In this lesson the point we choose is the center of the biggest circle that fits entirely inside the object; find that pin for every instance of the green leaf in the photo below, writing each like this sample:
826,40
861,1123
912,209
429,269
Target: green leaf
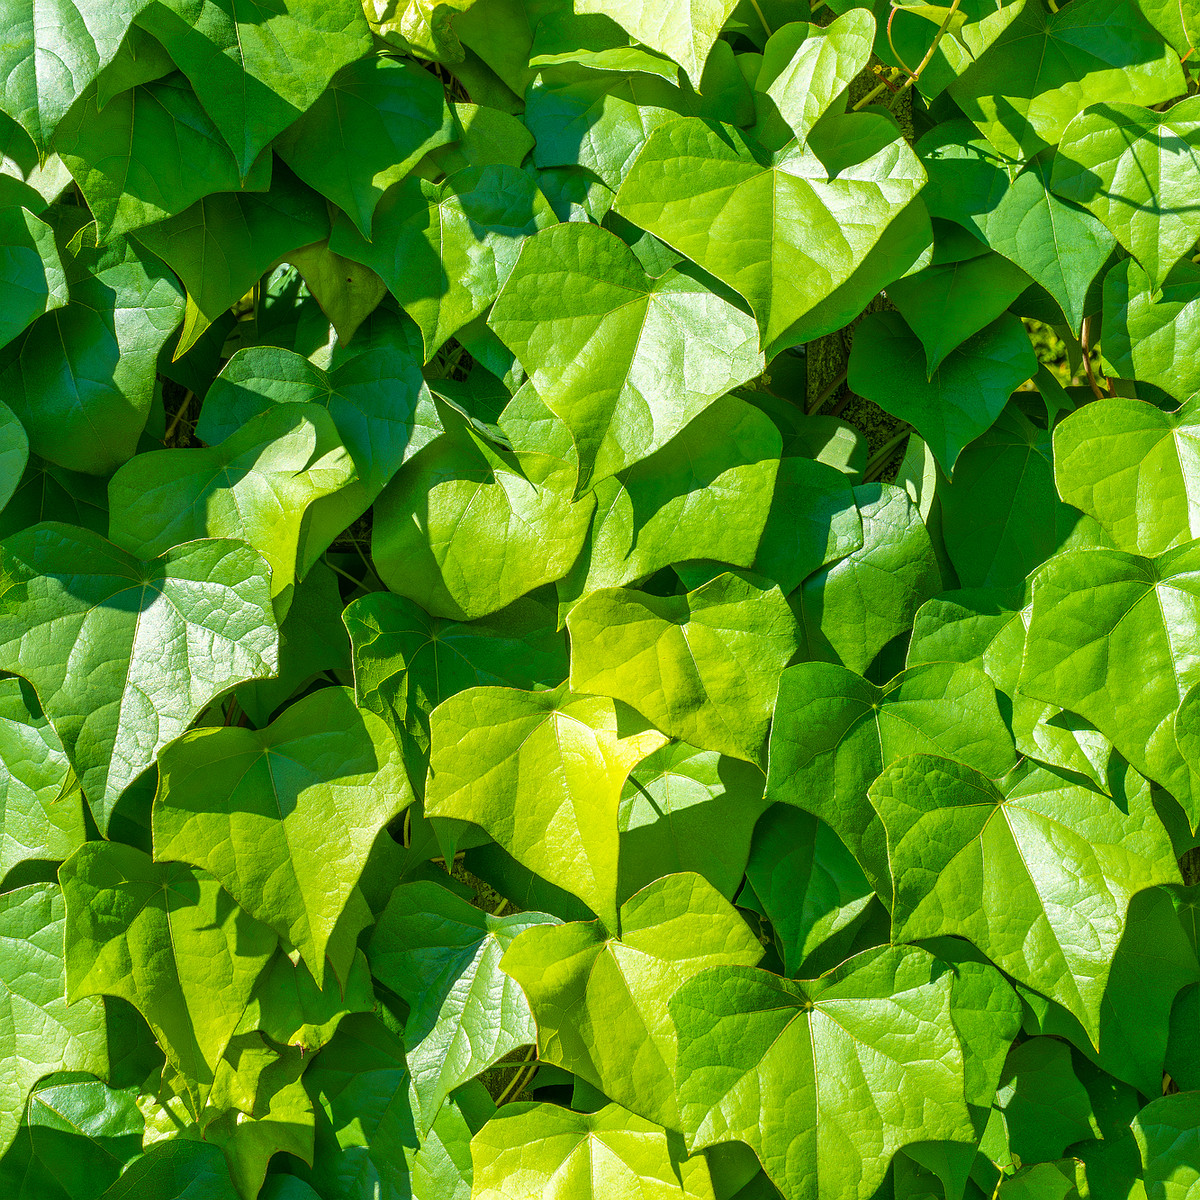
39,1033
466,528
81,378
531,1151
441,956
426,26
176,1170
41,816
684,809
14,454
707,494
834,733
956,402
1177,23
825,1080
444,250
49,58
699,187
377,119
1045,1106
596,335
222,244
1154,335
851,609
257,67
945,305
309,793
148,154
125,654
542,773
1036,839
257,485
407,662
347,291
488,137
593,40
49,493
590,992
700,667
1101,643
32,272
683,30
1048,66
1133,169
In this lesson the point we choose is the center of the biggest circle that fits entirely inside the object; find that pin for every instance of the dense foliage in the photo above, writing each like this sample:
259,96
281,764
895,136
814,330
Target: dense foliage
476,721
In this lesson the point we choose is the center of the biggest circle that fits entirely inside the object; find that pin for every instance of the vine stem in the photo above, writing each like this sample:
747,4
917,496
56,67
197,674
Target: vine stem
913,76
879,459
829,389
1085,338
519,1080
187,399
759,12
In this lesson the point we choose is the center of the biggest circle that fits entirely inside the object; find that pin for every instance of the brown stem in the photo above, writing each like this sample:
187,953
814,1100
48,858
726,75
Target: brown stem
1085,337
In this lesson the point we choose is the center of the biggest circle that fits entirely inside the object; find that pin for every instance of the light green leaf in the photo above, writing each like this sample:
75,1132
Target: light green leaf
1135,469
1102,642
425,26
565,36
39,1033
1176,22
309,793
444,250
407,662
601,1003
488,137
625,361
168,939
952,405
441,956
851,609
683,30
685,809
825,1080
701,667
81,378
256,486
377,119
257,67
148,154
542,773
834,733
441,1167
31,272
957,842
1048,66
125,654
347,291
466,528
543,1152
41,817
50,56
1135,170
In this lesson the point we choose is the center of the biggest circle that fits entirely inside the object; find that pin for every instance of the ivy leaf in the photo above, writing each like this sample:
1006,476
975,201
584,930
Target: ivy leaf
542,773
834,733
125,654
40,1034
1047,66
49,58
147,154
309,793
588,990
684,809
529,1151
594,332
699,186
1031,838
377,119
786,1067
257,486
445,250
700,667
952,405
1154,335
466,528
1133,169
407,662
32,273
223,244
256,67
441,956
81,378
122,910
1101,643
41,816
